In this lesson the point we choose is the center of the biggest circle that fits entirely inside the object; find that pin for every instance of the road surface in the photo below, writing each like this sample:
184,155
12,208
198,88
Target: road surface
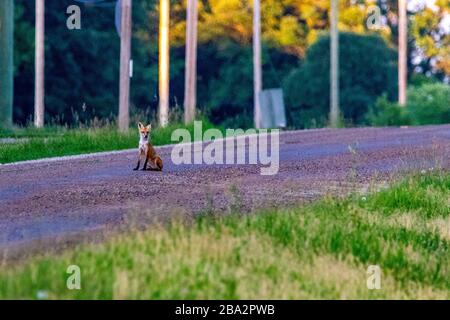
49,202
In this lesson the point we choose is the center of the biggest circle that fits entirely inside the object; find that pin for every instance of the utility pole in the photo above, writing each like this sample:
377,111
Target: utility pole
257,69
334,70
125,57
6,62
164,20
190,86
39,87
402,51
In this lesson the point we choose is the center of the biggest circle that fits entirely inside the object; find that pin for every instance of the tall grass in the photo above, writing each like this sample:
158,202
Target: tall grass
320,250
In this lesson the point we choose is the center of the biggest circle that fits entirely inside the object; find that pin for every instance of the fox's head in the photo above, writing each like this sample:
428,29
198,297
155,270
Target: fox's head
144,131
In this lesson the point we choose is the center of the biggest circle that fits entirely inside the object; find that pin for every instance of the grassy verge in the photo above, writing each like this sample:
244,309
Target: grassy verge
58,141
320,250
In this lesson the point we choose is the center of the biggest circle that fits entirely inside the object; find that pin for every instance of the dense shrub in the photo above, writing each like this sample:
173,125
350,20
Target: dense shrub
417,80
367,70
429,104
387,113
225,85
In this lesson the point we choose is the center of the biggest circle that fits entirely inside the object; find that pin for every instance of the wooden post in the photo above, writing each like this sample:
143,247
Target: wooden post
190,86
257,69
402,52
39,86
6,62
164,60
125,57
334,70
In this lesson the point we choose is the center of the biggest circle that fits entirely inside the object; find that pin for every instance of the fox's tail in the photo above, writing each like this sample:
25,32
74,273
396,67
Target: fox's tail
159,163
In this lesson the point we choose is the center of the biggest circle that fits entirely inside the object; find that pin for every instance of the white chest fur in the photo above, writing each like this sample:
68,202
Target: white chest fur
143,145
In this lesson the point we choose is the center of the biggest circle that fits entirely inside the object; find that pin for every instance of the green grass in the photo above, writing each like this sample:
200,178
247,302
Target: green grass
321,250
32,132
60,141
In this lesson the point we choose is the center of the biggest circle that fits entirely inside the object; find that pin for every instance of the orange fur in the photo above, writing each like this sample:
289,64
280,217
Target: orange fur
152,157
146,150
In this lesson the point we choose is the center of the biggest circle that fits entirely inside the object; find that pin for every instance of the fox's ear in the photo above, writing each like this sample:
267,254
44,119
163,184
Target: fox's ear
149,127
140,126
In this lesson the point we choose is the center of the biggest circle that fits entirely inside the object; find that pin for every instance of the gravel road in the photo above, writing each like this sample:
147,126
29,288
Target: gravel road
84,197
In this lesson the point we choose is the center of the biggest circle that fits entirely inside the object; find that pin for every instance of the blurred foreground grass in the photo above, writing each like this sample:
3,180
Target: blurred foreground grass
56,141
321,250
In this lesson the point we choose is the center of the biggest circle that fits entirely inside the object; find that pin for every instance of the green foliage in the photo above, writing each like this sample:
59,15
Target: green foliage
31,131
82,68
417,80
387,113
57,141
367,70
228,90
318,251
67,143
421,195
82,65
6,62
428,34
23,61
429,104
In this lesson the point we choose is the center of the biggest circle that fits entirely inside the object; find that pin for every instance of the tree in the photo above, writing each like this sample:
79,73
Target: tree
429,104
432,39
288,25
427,38
82,70
367,70
6,62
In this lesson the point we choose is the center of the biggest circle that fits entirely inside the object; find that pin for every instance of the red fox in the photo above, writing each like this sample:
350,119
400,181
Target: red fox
146,150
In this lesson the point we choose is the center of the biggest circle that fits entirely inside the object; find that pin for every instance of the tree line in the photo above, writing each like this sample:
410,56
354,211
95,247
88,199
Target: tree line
82,65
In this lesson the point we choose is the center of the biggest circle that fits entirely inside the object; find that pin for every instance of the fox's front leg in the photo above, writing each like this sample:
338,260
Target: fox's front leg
145,164
138,163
